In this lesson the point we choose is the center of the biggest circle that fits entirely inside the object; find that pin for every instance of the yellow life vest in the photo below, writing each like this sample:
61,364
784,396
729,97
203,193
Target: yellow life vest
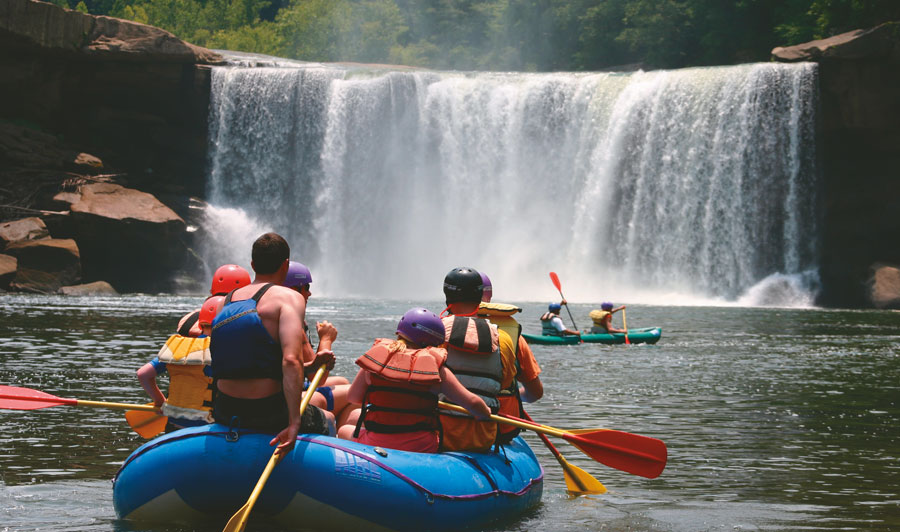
190,390
501,315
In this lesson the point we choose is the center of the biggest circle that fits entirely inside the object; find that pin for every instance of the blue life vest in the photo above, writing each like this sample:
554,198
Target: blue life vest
547,328
240,346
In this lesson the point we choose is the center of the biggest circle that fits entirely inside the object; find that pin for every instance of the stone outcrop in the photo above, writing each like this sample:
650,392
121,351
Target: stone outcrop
884,286
132,95
127,237
8,266
859,101
24,229
97,288
44,266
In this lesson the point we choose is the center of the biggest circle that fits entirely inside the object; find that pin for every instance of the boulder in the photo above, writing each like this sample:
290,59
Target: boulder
884,286
97,288
8,265
127,237
24,229
45,265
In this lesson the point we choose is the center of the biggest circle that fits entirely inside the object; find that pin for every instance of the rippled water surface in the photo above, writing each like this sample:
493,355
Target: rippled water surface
775,419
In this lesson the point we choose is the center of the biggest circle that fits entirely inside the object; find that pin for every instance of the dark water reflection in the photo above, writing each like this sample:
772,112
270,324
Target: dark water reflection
774,419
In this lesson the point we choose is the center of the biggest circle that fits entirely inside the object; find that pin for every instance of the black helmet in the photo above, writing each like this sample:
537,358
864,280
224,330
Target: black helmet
463,285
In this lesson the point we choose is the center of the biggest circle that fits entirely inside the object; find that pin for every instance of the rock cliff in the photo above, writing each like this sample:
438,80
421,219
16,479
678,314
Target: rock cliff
859,99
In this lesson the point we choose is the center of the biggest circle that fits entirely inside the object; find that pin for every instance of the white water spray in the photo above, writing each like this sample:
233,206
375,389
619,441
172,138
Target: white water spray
632,187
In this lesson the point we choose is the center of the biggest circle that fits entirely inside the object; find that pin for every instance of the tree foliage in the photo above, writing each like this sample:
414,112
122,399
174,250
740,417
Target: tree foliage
531,35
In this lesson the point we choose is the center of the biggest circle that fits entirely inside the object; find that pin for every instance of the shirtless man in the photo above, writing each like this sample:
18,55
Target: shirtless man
260,352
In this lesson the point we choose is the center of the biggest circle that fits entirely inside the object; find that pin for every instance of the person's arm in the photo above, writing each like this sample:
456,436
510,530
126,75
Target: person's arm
456,392
532,390
147,377
357,392
327,334
294,346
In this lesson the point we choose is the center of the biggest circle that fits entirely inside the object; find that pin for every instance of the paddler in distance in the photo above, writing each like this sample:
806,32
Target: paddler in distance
602,319
552,324
260,353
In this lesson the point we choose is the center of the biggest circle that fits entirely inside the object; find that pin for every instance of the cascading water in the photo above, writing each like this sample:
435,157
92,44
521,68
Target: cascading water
694,183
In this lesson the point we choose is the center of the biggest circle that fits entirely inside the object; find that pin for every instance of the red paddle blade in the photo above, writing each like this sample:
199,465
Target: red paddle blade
632,453
16,398
555,279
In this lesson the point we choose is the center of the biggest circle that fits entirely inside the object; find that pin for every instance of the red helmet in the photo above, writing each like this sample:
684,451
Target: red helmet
227,278
208,310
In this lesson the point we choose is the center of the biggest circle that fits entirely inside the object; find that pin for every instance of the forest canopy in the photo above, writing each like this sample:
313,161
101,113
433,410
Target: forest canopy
525,35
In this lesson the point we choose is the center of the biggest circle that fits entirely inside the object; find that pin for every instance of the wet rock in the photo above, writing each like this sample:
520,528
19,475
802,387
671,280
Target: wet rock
884,286
24,229
127,237
879,41
8,266
44,266
97,288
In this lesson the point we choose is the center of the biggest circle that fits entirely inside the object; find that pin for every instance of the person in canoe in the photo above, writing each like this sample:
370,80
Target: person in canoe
527,369
602,319
332,394
482,357
185,357
260,353
552,324
398,385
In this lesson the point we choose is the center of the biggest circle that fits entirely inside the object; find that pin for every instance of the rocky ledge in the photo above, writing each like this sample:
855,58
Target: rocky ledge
859,148
102,145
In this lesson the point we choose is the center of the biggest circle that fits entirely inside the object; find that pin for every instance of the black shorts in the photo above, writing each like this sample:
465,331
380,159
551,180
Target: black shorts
269,414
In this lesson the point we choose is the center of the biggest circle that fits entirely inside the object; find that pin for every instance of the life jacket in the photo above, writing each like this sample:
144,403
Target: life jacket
547,328
241,346
597,316
398,398
473,355
190,390
501,315
191,325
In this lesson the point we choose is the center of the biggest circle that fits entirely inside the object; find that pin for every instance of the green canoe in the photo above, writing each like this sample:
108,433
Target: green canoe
649,335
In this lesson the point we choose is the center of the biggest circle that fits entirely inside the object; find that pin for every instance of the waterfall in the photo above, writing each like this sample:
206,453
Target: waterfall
684,185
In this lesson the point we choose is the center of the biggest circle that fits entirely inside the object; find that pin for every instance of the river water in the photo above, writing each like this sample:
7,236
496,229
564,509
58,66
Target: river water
775,419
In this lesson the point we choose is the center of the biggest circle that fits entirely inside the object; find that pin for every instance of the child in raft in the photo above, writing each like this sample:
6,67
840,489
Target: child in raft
398,384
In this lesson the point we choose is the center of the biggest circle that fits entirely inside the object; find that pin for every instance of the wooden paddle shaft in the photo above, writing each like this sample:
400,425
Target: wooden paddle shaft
521,424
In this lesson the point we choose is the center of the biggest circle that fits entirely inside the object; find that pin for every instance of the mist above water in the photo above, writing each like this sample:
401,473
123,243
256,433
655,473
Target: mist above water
685,186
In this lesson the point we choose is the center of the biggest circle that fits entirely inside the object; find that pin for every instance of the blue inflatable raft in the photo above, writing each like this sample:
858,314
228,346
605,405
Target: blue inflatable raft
202,474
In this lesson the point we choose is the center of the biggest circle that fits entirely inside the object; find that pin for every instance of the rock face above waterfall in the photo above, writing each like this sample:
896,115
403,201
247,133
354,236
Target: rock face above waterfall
859,76
88,101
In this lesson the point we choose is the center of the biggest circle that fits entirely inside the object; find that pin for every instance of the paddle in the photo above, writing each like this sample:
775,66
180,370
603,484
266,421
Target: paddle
239,520
17,398
638,455
578,481
625,326
146,424
555,279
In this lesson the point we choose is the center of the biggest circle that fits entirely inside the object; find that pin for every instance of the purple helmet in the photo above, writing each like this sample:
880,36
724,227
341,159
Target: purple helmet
422,327
297,275
488,290
606,306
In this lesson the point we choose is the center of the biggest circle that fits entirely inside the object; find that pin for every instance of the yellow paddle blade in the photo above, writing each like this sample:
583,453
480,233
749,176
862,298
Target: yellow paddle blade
146,424
579,481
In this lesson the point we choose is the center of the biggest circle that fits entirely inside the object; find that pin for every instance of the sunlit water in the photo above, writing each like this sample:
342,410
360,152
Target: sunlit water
775,419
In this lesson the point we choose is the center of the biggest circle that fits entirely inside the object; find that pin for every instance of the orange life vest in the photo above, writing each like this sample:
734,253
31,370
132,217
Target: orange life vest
399,397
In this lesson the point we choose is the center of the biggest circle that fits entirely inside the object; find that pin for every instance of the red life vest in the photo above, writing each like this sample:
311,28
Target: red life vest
398,398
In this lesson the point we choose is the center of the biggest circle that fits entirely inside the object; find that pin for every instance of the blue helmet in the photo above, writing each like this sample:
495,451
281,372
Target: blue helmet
606,305
554,307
